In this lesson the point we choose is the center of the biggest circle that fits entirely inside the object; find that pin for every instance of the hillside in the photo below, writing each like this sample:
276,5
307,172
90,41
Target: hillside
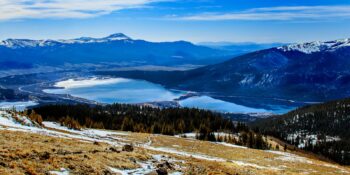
318,69
116,49
30,148
319,128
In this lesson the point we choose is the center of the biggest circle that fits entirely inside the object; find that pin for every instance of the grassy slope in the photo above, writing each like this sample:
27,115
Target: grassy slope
25,153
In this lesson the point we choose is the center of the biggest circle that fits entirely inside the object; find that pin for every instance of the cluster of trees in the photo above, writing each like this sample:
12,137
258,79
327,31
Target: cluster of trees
138,118
328,119
170,121
70,123
244,137
35,117
335,150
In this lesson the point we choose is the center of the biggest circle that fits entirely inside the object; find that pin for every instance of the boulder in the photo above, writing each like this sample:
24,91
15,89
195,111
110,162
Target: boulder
128,148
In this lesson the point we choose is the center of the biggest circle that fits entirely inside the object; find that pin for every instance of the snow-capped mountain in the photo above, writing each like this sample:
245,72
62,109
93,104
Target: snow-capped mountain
317,46
21,43
113,37
116,48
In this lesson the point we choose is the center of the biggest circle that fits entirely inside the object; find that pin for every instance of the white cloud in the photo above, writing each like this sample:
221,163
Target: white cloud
20,9
277,13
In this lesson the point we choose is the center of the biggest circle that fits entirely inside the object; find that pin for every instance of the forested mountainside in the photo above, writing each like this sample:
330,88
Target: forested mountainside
321,128
320,70
170,121
114,49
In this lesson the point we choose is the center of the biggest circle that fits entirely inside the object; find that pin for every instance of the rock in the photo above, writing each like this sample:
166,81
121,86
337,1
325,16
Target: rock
95,151
107,172
165,165
162,171
132,159
44,156
128,148
72,167
113,149
3,164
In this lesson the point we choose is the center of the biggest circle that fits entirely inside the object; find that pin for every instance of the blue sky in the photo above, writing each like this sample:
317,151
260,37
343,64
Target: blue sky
169,20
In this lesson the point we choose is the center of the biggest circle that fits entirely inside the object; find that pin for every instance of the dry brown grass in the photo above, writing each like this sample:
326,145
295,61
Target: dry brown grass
22,153
252,156
26,153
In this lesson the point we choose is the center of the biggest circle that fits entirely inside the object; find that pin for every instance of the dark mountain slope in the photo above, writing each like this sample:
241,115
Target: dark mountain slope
321,128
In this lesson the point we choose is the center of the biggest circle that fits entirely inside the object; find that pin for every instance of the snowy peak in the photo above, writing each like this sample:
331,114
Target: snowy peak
20,43
113,37
317,46
117,36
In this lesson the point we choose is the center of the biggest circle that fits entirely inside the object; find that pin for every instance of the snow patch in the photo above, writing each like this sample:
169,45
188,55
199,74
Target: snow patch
241,163
71,83
284,156
186,154
61,172
231,145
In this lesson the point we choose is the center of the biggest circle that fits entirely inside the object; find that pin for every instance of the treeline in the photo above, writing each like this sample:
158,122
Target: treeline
244,137
139,118
328,120
170,121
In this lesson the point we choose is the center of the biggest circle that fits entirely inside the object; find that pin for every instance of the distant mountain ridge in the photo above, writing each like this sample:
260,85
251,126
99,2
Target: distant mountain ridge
21,43
311,72
116,48
240,48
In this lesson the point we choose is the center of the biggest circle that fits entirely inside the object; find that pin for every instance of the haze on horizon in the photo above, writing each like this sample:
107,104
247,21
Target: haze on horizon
170,20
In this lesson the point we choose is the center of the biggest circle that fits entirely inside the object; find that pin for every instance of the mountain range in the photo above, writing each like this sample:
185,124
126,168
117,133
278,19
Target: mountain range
312,72
116,48
239,48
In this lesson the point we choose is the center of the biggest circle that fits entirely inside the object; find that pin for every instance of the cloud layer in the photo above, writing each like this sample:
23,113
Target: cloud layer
20,9
277,13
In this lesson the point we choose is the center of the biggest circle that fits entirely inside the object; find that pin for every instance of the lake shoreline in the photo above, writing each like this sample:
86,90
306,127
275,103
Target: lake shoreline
172,98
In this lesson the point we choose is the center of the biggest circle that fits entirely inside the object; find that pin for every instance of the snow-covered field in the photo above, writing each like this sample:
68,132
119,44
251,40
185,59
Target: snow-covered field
19,106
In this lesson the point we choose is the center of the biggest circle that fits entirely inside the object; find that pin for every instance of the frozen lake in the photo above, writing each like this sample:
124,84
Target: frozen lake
115,90
129,91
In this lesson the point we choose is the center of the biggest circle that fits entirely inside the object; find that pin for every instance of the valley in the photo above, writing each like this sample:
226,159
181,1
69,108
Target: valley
174,87
95,89
240,115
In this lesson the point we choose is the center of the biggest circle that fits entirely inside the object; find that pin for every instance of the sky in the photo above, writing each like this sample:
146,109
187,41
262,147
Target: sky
261,21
